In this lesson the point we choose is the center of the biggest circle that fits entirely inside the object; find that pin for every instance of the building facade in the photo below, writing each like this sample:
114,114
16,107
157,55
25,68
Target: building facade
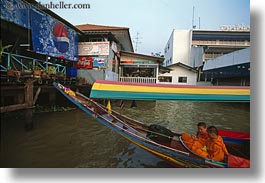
98,51
179,74
139,68
194,48
36,39
230,69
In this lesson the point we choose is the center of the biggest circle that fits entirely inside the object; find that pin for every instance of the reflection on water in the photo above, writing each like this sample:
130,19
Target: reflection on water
73,139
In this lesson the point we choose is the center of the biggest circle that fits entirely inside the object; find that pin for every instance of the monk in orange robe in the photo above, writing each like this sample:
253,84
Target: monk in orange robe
216,148
198,142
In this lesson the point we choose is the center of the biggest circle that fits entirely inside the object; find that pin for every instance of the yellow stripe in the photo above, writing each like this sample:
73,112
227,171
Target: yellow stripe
129,88
168,158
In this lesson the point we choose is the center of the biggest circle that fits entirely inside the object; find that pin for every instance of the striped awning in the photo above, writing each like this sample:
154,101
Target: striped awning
144,91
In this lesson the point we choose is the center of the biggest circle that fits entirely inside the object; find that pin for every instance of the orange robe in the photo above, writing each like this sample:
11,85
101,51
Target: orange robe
187,139
216,149
196,145
200,142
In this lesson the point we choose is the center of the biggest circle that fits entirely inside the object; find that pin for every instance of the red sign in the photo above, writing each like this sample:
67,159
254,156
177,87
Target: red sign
127,62
85,63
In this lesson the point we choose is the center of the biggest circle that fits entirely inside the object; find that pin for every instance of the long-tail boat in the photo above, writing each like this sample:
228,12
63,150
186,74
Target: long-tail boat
156,139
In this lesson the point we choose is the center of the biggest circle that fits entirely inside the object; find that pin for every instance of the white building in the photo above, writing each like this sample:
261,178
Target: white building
179,58
192,48
179,74
178,48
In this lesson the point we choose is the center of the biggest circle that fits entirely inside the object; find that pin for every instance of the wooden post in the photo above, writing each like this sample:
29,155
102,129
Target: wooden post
133,104
36,95
19,99
29,102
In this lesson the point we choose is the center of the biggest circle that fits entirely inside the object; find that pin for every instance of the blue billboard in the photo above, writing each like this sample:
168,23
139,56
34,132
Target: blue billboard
51,37
15,11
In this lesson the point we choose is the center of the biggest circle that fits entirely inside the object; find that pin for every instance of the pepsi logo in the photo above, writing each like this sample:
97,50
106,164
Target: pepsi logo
61,38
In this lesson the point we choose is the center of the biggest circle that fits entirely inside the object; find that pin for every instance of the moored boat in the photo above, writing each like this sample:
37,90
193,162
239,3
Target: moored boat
155,139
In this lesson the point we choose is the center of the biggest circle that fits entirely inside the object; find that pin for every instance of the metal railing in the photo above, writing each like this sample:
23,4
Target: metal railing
24,61
138,79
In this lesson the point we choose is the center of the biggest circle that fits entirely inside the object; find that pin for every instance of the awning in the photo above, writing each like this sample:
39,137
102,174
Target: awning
144,91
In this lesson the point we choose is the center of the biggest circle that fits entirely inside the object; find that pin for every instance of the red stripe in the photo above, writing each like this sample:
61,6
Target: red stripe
170,85
232,134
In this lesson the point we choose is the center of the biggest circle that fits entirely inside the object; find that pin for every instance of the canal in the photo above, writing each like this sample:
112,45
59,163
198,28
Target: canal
73,139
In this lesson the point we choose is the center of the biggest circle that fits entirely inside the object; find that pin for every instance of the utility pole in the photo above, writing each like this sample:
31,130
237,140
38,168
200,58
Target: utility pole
199,22
193,26
137,41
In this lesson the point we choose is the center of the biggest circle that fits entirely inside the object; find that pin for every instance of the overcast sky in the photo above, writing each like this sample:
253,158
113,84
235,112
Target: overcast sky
156,19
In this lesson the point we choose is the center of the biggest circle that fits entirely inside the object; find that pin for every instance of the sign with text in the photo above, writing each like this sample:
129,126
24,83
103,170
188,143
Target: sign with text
93,48
85,63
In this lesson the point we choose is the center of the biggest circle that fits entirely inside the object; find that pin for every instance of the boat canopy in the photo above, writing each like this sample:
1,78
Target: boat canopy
146,91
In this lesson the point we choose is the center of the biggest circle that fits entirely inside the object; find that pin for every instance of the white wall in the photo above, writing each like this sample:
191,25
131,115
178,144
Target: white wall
111,76
91,75
181,72
178,47
168,50
182,46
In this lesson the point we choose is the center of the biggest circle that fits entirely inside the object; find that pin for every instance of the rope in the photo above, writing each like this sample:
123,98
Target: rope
157,133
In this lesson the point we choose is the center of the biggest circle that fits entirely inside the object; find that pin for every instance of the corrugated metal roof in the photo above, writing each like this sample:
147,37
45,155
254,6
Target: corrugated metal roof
125,53
183,66
93,27
234,58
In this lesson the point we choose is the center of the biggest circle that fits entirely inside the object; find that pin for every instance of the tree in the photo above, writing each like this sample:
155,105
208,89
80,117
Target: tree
157,54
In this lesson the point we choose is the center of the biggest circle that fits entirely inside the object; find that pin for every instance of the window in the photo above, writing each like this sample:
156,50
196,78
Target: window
182,80
167,79
96,40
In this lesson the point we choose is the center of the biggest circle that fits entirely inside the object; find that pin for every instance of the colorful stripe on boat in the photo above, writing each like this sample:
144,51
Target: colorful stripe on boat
143,91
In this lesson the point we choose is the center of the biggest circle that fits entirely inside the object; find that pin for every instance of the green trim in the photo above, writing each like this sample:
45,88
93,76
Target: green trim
166,96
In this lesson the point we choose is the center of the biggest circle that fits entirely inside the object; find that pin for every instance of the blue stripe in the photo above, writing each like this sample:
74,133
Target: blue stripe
234,140
209,36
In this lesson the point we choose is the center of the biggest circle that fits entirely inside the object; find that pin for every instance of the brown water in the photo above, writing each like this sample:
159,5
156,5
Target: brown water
73,139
